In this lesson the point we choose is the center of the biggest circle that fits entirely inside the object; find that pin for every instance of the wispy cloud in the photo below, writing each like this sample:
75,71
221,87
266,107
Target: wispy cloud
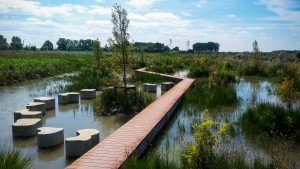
284,9
142,3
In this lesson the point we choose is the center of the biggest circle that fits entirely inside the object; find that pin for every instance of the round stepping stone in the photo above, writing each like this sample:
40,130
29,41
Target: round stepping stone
71,97
167,85
50,136
49,101
83,142
26,114
88,93
36,106
26,127
149,87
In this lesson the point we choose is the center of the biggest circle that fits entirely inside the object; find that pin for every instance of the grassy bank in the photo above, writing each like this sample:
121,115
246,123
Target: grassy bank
17,67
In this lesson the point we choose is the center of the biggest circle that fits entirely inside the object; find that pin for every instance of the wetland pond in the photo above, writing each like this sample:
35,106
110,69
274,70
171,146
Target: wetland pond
250,92
72,117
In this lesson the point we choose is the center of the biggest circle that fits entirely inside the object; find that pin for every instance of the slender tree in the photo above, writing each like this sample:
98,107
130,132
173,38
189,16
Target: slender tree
121,42
97,52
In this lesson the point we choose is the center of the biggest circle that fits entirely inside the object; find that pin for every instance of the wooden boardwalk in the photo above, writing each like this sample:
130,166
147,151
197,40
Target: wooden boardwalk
136,134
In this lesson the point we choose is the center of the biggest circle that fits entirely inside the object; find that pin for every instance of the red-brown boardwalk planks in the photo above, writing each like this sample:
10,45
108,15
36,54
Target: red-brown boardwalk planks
115,149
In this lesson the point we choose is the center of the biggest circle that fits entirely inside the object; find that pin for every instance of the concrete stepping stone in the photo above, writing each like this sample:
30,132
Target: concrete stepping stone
36,106
165,86
49,136
149,87
88,93
83,142
26,114
71,97
26,127
49,101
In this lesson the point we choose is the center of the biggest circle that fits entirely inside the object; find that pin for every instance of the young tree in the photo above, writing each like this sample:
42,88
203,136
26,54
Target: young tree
287,92
3,43
47,45
97,52
16,43
121,42
255,47
62,44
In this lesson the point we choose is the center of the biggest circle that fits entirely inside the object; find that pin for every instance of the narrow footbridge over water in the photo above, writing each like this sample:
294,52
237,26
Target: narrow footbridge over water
134,136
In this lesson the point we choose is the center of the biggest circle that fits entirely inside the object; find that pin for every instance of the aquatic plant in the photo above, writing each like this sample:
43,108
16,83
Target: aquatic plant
111,101
14,159
273,120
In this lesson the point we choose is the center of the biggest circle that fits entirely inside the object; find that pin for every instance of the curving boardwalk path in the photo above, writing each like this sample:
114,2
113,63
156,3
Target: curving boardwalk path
136,134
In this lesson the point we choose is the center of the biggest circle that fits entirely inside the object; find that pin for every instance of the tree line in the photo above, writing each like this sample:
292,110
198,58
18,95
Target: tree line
64,44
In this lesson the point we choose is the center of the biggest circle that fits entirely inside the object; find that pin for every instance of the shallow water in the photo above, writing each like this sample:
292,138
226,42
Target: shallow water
250,91
70,117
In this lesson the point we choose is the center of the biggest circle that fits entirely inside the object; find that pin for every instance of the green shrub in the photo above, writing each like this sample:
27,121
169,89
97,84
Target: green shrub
204,95
112,100
274,120
13,159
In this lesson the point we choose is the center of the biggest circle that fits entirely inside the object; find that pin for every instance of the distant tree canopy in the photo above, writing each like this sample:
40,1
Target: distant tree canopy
74,45
47,45
16,43
150,47
206,47
3,43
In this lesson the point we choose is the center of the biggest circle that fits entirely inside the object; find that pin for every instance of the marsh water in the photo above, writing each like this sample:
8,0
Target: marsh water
72,117
250,92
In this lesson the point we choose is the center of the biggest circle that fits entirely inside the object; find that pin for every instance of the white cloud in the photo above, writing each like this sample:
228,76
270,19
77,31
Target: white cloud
231,16
284,9
201,3
142,3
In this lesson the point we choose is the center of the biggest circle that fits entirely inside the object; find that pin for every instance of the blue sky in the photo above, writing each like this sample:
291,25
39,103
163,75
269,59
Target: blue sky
235,24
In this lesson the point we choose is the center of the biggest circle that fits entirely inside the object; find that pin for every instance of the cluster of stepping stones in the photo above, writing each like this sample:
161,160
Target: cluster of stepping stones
28,122
149,87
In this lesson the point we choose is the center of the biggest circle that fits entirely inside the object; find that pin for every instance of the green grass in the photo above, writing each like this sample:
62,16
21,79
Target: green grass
272,120
21,66
112,101
13,159
207,97
150,162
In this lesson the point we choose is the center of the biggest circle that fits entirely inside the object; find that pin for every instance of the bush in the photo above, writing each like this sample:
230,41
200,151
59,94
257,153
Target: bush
205,95
12,159
273,120
112,101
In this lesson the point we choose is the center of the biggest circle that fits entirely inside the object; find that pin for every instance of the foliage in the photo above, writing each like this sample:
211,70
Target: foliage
205,95
97,52
161,68
93,77
74,45
148,78
201,153
18,66
287,92
112,101
3,43
16,43
201,69
13,159
274,120
47,45
150,47
206,47
150,162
